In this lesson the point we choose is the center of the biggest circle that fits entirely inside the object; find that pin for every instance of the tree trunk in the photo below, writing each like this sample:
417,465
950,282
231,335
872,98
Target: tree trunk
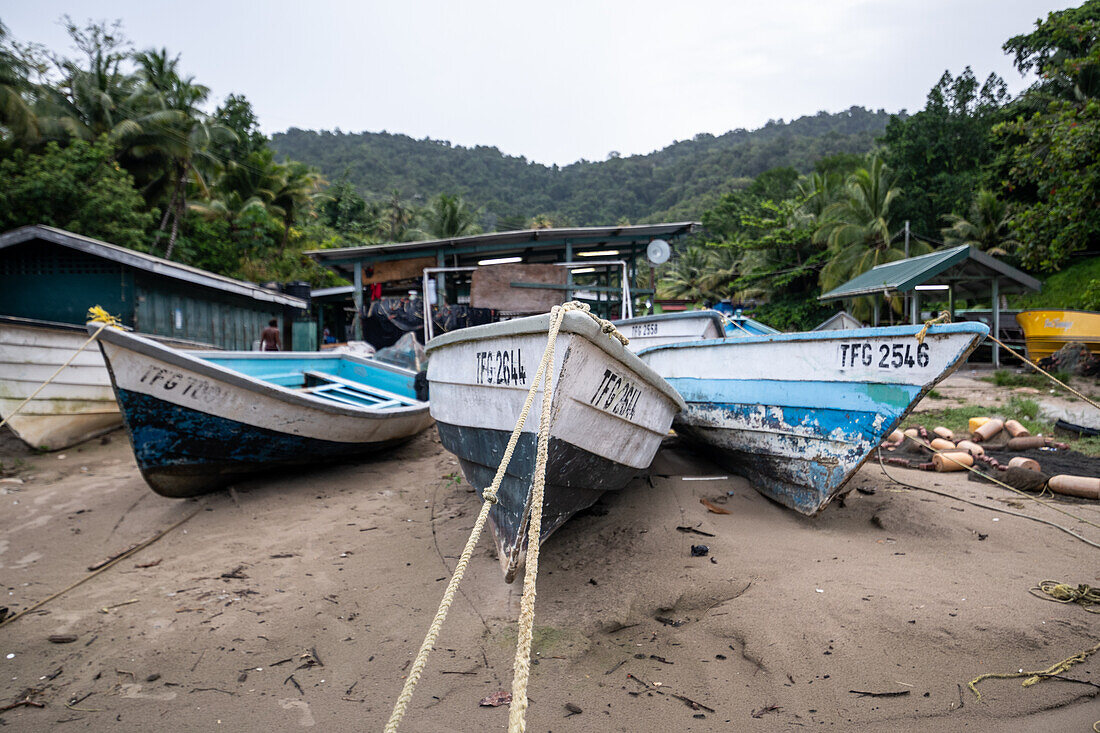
178,201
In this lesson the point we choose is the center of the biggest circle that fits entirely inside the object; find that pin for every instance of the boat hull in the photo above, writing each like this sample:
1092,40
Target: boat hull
1046,331
609,415
798,414
670,328
196,426
75,406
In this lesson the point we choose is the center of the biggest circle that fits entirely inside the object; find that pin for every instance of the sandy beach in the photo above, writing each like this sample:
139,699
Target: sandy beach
299,600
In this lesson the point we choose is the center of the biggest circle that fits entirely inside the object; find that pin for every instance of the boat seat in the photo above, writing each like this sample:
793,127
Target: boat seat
357,393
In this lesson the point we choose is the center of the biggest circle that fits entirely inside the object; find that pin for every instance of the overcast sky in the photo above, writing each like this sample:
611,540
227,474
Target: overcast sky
560,80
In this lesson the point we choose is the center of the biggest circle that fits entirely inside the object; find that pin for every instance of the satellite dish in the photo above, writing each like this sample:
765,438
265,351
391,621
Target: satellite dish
658,251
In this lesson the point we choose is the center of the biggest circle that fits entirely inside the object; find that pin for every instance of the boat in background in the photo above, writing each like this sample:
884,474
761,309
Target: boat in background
74,407
77,405
670,328
798,414
200,420
1046,331
610,413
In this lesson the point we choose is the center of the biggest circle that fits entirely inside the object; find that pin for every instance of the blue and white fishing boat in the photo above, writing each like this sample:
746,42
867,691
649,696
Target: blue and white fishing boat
671,328
798,414
609,414
200,420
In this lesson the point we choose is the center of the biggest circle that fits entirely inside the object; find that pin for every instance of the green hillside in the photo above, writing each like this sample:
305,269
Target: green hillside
677,182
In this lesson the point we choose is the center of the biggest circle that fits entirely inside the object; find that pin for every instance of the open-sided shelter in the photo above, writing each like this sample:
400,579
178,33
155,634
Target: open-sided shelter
959,272
398,262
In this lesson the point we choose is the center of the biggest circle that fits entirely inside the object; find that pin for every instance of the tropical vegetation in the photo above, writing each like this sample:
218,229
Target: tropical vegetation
114,142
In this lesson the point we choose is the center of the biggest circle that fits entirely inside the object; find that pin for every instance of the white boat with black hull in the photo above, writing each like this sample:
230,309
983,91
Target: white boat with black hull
609,414
798,414
199,420
77,405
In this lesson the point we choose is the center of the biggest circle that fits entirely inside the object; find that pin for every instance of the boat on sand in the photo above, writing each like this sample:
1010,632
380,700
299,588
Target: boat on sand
609,414
200,420
798,414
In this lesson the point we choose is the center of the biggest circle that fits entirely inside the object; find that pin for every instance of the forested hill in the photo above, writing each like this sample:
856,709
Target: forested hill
677,182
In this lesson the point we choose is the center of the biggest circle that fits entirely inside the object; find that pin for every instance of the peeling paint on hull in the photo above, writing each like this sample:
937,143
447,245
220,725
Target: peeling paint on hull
196,425
798,414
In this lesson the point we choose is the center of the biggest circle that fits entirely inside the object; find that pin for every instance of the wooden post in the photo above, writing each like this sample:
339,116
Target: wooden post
569,258
357,298
996,321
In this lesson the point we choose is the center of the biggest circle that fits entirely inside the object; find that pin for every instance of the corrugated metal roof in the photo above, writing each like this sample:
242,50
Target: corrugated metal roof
553,236
147,263
905,275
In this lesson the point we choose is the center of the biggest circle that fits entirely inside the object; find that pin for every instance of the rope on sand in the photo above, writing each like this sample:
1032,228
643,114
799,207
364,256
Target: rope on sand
522,667
1042,371
95,315
1083,594
1036,676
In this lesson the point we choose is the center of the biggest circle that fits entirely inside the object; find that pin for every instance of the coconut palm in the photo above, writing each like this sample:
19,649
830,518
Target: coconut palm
686,277
986,225
856,229
18,123
297,187
450,216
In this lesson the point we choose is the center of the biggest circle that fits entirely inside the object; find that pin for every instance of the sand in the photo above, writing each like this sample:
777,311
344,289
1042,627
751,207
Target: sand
298,601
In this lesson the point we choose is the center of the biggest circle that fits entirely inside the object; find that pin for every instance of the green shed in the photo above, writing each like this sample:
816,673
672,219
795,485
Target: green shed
53,275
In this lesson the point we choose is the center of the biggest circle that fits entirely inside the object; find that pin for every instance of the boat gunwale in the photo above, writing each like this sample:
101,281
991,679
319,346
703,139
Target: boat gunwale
578,324
718,319
978,329
186,360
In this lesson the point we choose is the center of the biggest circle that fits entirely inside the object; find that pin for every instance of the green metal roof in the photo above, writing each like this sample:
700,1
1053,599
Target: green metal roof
966,268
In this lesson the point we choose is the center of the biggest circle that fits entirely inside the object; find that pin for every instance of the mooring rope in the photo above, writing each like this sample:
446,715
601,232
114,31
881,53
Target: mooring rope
522,668
1042,371
96,315
1036,676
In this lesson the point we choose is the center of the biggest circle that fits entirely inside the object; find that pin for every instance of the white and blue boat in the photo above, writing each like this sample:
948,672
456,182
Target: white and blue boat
200,420
671,328
798,414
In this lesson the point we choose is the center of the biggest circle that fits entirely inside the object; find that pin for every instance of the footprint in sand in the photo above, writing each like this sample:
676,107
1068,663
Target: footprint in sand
306,718
27,560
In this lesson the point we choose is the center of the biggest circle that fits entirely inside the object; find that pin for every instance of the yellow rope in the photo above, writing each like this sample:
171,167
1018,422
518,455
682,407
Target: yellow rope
943,317
1042,371
489,496
96,315
1083,594
1036,676
521,669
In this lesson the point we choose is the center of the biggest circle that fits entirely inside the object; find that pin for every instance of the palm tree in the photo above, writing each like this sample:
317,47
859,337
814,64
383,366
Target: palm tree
686,277
18,123
172,137
297,188
450,216
987,227
723,267
857,230
399,218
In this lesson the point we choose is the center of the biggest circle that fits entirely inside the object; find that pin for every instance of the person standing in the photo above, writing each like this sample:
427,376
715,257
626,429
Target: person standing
269,339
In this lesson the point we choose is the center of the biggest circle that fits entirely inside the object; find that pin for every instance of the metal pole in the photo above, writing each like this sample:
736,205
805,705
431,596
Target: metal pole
357,298
914,308
874,312
996,321
569,258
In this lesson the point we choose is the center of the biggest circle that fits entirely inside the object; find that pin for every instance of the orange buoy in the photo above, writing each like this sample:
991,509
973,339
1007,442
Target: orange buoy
988,429
972,448
941,444
956,461
1016,430
1021,462
944,433
1083,486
